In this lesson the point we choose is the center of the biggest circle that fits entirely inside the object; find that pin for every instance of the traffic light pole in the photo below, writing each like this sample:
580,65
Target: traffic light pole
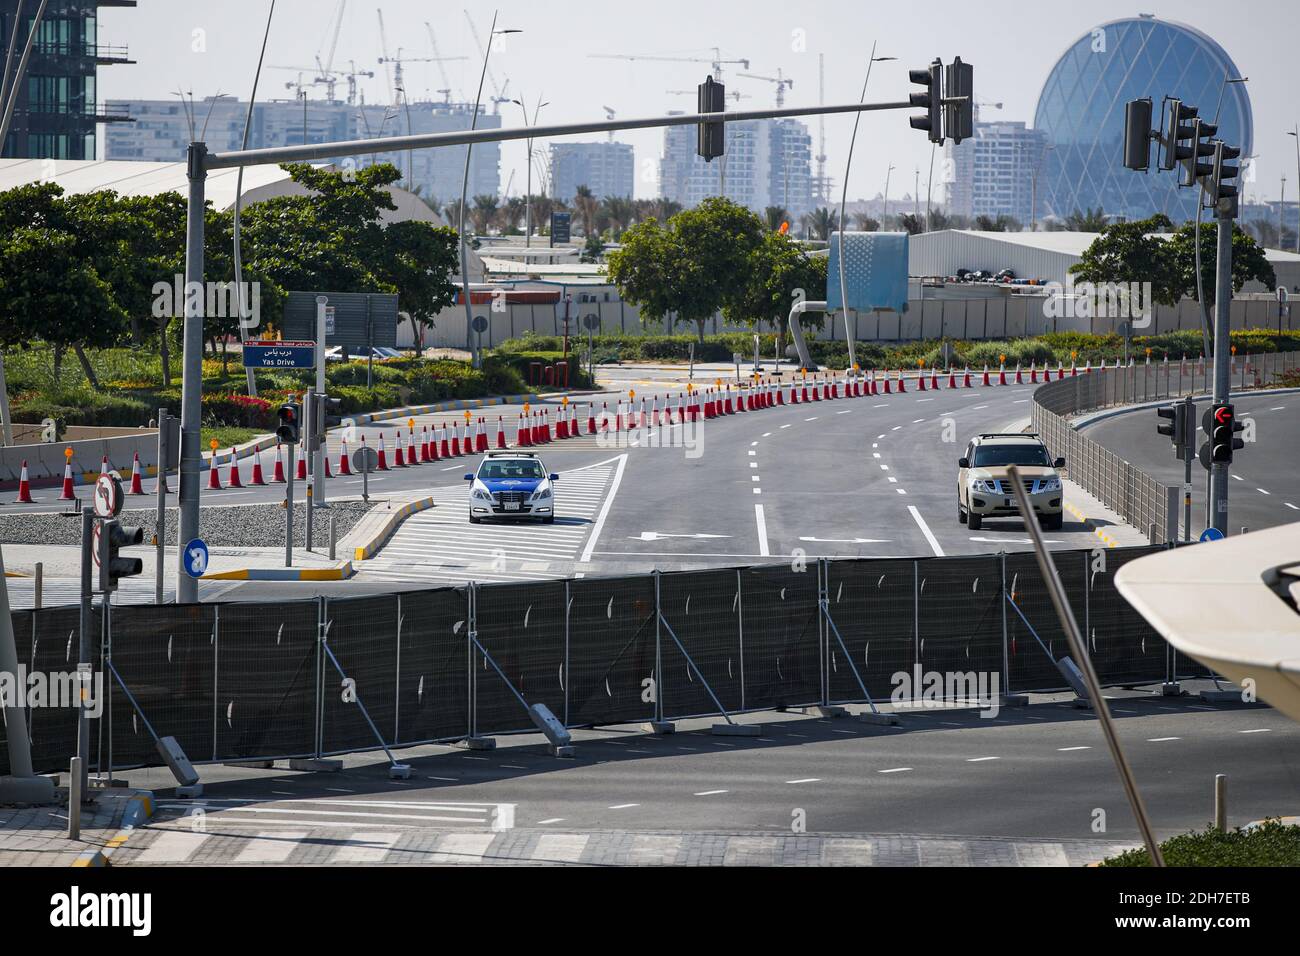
187,588
1222,356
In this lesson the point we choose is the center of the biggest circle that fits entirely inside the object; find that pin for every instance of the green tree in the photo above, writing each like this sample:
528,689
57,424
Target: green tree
778,274
1248,260
774,216
821,222
1090,220
1129,252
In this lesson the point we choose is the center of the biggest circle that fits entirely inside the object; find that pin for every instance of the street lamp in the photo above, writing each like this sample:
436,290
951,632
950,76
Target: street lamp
528,195
1033,187
410,152
891,168
464,188
1296,133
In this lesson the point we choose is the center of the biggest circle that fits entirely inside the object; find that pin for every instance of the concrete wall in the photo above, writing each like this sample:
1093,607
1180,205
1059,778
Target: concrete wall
45,460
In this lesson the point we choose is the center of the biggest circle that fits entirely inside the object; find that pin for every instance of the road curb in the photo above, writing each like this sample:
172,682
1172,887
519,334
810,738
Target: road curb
1090,523
139,810
340,573
373,540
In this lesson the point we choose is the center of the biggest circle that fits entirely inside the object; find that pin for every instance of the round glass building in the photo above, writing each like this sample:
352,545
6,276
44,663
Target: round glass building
1081,113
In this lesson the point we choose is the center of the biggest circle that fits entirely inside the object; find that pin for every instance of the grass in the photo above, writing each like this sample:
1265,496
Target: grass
227,436
1272,843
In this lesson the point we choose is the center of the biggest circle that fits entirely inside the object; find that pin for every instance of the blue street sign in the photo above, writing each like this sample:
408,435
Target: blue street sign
1211,534
196,558
267,354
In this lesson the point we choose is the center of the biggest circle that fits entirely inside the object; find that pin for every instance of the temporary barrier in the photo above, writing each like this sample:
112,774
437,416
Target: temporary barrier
259,680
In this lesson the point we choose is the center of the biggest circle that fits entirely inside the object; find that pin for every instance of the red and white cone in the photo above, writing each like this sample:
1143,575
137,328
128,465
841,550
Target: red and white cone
562,427
257,478
383,454
328,472
455,442
1020,378
444,446
399,458
521,432
986,375
345,463
137,483
214,474
482,445
301,469
277,474
501,433
902,385
920,382
1002,375
67,494
24,488
591,418
232,480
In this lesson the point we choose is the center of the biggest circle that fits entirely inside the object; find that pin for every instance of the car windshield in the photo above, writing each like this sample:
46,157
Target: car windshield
992,456
516,468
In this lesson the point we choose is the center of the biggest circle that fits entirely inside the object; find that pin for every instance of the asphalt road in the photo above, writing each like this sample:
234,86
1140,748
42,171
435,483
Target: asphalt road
1038,772
1264,489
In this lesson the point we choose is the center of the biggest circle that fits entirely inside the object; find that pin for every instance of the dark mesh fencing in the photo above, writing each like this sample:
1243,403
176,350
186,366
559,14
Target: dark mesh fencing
782,656
432,701
1032,668
266,681
52,648
166,656
1125,649
959,618
522,627
703,609
871,603
23,631
362,633
248,681
611,650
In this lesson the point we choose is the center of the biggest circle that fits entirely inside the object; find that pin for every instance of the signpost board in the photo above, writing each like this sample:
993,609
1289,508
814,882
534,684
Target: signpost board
561,223
262,353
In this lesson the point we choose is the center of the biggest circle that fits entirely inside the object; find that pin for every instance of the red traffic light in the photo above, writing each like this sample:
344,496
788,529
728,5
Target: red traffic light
1223,414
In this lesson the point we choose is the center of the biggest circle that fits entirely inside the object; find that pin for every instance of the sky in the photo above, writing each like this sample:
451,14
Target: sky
210,47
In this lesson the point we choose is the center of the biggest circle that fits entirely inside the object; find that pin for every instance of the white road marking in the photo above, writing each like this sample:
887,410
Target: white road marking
623,806
1068,749
1258,730
925,530
901,491
1291,506
1238,478
891,478
710,793
917,421
1277,409
875,454
173,846
550,820
896,428
845,412
976,408
766,434
1156,740
884,468
751,452
895,770
462,848
757,491
761,520
604,510
979,759
806,780
1263,492
785,426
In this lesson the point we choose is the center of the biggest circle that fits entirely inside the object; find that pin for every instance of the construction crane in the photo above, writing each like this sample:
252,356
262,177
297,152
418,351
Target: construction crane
716,62
442,70
609,114
399,83
782,84
822,187
731,94
328,79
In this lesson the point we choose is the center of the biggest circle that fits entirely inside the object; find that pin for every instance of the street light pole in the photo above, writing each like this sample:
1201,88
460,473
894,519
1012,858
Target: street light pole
885,215
187,588
1296,133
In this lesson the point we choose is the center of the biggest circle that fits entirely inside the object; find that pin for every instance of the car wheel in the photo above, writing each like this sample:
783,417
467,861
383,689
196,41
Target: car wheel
974,521
961,515
549,519
1054,522
473,520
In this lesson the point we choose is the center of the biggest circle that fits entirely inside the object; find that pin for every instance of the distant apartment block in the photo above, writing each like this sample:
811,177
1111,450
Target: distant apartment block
607,169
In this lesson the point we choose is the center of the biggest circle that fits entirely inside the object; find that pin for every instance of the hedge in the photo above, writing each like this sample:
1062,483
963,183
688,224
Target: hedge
1272,843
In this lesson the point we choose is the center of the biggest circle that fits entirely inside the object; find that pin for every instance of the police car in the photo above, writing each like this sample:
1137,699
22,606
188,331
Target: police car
511,484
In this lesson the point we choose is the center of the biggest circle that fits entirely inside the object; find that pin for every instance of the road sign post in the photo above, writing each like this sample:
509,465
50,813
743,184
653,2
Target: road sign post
365,461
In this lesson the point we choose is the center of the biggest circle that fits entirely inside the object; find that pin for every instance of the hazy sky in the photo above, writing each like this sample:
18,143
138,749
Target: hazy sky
1012,43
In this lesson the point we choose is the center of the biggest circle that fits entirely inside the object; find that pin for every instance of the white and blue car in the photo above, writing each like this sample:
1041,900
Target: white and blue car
511,485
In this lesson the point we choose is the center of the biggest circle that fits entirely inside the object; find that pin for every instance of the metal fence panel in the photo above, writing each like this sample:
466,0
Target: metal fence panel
871,601
432,690
1029,666
704,610
782,657
362,633
611,650
959,615
1125,649
266,681
53,647
23,632
522,627
166,657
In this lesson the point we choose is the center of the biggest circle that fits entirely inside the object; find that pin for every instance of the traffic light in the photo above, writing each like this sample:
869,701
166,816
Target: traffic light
1137,135
1177,130
1176,417
1202,148
1222,171
712,98
959,118
931,100
1221,425
113,537
289,423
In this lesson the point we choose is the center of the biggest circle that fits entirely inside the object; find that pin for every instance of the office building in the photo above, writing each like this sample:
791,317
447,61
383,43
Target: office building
606,168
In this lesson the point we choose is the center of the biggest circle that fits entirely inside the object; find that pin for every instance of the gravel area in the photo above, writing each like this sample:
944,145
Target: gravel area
243,526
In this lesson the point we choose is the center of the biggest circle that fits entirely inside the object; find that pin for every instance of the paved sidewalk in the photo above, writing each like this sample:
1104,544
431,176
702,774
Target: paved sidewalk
37,836
178,842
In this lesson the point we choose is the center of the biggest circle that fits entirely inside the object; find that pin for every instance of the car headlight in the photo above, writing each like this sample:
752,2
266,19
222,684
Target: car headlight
1050,484
482,494
541,493
986,486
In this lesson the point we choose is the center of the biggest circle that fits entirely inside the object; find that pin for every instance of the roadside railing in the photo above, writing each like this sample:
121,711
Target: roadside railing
264,681
1138,498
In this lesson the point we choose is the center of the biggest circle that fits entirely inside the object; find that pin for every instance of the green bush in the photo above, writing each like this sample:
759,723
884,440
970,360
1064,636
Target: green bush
82,407
1270,844
519,363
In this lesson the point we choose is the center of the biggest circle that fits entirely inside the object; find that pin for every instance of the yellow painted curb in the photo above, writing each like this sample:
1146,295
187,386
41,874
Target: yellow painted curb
389,526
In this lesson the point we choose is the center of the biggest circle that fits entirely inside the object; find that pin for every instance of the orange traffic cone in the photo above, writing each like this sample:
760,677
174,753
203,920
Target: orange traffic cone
383,455
214,474
137,485
277,474
24,487
345,466
302,463
233,480
67,494
257,478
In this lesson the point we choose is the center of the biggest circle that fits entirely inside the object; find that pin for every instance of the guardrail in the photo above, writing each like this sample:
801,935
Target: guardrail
262,681
1123,487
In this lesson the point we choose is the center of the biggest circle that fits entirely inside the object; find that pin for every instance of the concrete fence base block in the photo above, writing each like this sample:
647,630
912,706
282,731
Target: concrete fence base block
316,765
479,743
660,728
399,771
1171,689
251,764
831,710
191,792
736,730
1015,700
26,790
566,751
1221,696
884,720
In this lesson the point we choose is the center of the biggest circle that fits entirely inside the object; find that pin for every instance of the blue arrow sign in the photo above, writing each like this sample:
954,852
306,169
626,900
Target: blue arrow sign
1211,534
196,558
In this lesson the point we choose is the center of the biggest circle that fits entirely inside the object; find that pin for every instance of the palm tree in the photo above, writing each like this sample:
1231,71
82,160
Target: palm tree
584,204
774,216
1002,223
511,213
1090,220
821,222
483,212
620,211
912,224
866,222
